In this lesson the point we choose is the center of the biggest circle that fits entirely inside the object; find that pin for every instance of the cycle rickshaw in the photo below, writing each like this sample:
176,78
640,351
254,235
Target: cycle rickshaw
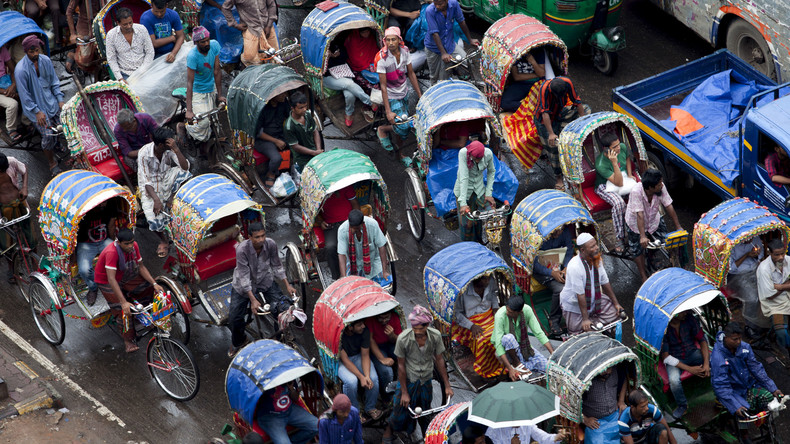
432,177
575,363
534,220
262,366
86,132
662,297
505,43
65,200
325,174
249,92
448,425
447,276
320,30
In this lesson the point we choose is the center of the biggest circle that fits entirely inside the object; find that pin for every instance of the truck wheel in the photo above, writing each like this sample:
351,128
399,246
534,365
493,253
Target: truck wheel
745,41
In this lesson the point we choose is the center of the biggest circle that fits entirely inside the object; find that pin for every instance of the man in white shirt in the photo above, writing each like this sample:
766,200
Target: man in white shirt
523,434
474,323
587,297
742,280
128,46
772,289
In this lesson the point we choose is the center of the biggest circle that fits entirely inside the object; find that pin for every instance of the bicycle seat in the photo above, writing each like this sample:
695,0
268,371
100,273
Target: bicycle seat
180,93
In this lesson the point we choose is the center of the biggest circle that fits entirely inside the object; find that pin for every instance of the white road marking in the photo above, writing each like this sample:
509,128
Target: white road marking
52,368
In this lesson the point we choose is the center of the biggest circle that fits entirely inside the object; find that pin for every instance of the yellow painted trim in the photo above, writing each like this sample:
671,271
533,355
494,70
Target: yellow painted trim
747,144
706,172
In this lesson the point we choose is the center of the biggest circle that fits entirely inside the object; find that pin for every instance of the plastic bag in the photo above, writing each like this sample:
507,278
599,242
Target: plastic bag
283,186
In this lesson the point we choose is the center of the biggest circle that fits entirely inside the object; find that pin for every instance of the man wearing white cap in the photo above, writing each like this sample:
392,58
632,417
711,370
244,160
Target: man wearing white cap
587,297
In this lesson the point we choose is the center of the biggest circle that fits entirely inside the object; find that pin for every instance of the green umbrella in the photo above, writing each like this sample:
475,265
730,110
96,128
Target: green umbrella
514,404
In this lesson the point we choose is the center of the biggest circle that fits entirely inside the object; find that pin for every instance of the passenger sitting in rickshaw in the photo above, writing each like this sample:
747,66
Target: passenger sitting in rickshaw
613,180
124,279
549,270
335,211
773,290
741,282
684,349
356,369
301,132
384,331
367,255
419,350
133,131
472,190
511,340
8,94
476,434
393,64
164,28
204,85
129,49
642,216
97,230
553,113
86,54
523,74
456,135
643,422
162,168
279,408
739,380
362,47
337,78
587,297
13,204
270,141
601,406
258,270
474,324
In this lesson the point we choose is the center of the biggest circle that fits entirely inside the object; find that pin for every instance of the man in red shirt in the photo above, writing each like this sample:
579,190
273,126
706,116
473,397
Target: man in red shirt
384,330
332,215
122,277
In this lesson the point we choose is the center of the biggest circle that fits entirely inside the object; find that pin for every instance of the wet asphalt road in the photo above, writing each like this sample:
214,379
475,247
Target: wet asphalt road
96,361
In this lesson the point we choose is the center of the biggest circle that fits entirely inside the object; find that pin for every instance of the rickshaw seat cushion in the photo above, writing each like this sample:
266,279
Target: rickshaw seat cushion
285,165
594,201
535,286
662,372
110,169
216,260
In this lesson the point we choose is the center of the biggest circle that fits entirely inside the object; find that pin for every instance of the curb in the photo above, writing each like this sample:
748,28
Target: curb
44,400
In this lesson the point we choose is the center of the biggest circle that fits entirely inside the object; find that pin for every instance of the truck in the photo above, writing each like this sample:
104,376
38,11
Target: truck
754,133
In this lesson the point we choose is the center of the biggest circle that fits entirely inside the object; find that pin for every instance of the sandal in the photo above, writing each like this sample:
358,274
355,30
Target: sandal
15,136
269,181
349,121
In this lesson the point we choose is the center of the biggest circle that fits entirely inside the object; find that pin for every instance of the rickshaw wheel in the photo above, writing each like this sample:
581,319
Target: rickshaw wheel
394,278
605,61
415,212
48,318
180,324
23,265
295,272
173,368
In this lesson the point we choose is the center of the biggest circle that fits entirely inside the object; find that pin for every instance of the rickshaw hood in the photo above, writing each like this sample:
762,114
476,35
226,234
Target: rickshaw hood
14,24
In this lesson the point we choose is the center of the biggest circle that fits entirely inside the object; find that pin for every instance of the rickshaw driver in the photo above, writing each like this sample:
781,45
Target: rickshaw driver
772,289
13,204
257,266
679,352
738,378
335,211
162,168
602,404
554,277
367,254
122,276
471,191
511,340
642,216
588,296
440,45
204,85
474,324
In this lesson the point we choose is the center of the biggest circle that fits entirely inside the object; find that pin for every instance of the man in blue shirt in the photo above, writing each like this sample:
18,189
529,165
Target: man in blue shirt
554,277
164,28
440,45
340,424
643,423
204,82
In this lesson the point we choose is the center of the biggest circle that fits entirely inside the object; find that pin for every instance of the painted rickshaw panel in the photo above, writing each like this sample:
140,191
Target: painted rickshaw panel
199,203
64,202
536,217
448,273
440,428
509,39
261,366
572,137
320,28
105,19
726,225
446,102
575,363
331,171
14,24
347,300
664,295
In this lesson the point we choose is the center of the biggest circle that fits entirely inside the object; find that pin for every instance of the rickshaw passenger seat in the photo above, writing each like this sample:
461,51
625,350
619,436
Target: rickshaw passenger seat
216,260
594,202
662,372
110,169
285,165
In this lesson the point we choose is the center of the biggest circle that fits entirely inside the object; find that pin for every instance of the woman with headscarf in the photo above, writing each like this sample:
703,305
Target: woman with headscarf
340,76
472,192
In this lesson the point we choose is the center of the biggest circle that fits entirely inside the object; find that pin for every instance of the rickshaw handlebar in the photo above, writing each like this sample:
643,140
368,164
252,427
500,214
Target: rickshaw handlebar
419,412
601,327
490,214
202,116
4,223
775,406
266,309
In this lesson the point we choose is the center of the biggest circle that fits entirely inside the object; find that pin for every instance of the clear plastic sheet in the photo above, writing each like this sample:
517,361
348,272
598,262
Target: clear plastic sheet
155,85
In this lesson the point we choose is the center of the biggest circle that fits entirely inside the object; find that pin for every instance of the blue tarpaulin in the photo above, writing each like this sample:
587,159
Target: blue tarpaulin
717,103
443,171
229,39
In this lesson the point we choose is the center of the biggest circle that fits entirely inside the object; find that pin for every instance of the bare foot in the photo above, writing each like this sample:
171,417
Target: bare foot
131,347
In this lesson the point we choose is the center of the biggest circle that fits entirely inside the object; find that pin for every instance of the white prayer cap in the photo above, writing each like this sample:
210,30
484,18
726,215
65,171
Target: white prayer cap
584,238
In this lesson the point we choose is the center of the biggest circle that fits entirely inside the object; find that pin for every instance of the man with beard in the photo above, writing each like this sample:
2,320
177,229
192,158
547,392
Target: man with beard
587,297
39,92
642,217
772,286
204,82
